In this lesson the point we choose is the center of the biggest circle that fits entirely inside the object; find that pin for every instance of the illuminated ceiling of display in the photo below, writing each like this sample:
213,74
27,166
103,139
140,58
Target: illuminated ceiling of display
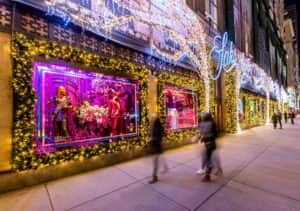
165,29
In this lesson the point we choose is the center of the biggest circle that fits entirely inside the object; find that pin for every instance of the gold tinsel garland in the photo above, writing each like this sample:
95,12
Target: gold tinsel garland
24,52
184,82
231,102
212,101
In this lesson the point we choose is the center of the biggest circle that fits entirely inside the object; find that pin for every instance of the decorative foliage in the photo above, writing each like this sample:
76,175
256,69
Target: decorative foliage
231,102
24,52
212,101
273,107
187,36
184,82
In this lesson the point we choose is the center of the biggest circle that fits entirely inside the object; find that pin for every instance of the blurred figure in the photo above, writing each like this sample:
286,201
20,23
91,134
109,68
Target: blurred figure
208,131
274,120
292,117
216,161
157,132
279,118
285,117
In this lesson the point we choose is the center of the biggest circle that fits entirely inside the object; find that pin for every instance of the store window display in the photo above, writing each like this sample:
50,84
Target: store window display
180,108
252,110
76,107
241,103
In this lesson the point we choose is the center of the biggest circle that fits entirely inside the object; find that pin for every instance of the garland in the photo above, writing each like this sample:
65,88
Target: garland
231,102
212,102
24,52
196,85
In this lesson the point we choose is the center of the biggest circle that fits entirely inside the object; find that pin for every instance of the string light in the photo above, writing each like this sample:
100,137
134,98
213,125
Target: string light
173,19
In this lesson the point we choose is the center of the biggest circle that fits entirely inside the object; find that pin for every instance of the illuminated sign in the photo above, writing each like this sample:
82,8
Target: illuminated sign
169,30
227,59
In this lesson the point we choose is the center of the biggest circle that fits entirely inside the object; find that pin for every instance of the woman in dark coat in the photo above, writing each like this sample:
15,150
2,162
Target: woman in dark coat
274,120
157,132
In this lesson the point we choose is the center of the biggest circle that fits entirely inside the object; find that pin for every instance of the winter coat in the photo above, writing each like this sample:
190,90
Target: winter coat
208,131
274,118
279,116
157,132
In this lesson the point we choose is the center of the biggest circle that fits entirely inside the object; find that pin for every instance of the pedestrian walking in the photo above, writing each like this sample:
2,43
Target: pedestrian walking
208,132
285,117
157,132
279,118
215,159
292,117
274,120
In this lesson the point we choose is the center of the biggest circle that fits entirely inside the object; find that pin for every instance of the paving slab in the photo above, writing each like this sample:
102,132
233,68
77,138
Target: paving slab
280,158
69,192
230,166
182,155
182,185
237,197
242,152
32,199
136,197
142,168
272,179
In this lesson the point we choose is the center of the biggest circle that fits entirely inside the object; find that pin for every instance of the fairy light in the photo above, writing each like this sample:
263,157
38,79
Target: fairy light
238,87
173,18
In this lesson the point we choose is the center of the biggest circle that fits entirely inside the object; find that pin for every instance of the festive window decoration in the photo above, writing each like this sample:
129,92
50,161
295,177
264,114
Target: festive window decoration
180,108
78,108
255,109
241,110
251,77
170,29
212,102
185,83
24,51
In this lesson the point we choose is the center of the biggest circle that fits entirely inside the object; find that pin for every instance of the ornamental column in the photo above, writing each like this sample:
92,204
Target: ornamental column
6,103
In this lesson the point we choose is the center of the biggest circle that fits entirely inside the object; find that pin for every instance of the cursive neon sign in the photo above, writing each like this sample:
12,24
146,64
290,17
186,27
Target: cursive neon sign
227,58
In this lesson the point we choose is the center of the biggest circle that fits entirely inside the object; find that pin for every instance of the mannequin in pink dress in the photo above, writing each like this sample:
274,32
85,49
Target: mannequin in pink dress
115,115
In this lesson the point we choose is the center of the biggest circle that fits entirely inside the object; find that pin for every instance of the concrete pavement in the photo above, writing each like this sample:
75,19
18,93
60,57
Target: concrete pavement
261,172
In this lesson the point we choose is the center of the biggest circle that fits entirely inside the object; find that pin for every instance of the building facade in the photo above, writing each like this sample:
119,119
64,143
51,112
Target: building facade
79,85
75,89
291,44
254,27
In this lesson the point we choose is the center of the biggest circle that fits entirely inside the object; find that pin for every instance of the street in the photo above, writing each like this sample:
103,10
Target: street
261,172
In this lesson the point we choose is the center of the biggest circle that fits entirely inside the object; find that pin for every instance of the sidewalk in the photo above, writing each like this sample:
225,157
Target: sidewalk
261,172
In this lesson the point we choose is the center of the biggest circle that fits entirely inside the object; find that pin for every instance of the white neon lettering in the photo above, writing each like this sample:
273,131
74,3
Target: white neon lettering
226,58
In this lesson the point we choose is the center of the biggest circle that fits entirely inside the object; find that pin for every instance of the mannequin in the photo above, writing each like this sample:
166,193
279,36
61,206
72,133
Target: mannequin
60,114
115,115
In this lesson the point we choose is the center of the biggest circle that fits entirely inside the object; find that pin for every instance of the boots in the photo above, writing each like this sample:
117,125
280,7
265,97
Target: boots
154,180
206,178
